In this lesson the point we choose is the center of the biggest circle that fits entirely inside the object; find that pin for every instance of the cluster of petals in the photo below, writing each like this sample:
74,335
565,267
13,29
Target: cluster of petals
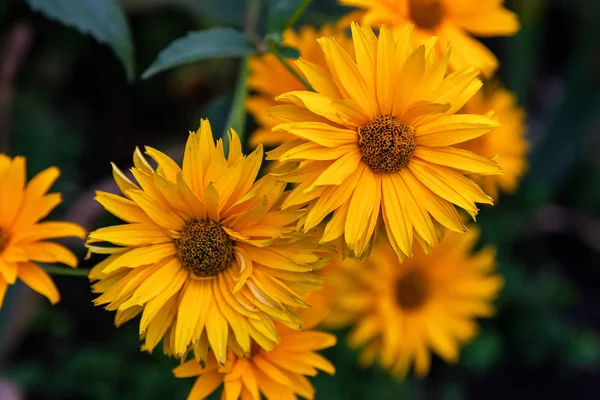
401,313
144,273
280,374
24,240
389,77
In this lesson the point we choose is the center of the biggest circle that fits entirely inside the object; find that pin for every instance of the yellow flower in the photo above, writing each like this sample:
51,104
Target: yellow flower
23,239
276,374
451,20
378,134
269,78
205,254
506,143
401,312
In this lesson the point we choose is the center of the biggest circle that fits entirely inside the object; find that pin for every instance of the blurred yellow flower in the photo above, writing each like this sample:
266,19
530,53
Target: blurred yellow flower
378,135
277,374
205,254
506,143
23,239
269,78
451,20
399,313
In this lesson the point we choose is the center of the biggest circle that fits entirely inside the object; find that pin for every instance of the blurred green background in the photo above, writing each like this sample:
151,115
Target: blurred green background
65,100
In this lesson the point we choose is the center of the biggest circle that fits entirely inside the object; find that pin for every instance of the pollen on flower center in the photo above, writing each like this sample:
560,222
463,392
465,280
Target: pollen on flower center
412,290
204,248
426,14
387,144
3,239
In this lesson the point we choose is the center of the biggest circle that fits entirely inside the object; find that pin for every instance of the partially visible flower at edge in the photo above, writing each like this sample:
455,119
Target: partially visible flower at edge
277,374
506,144
401,312
269,78
451,20
24,241
205,254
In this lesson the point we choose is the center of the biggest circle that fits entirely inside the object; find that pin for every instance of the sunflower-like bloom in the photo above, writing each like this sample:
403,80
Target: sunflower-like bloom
205,255
23,239
451,20
507,143
277,374
399,313
269,78
378,135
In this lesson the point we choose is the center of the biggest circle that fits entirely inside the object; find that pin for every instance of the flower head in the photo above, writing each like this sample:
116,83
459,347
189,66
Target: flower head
269,78
506,144
399,313
24,240
204,255
451,20
378,136
276,374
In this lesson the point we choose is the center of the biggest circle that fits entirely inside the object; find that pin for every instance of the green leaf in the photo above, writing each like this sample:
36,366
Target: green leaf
281,14
102,19
201,45
289,52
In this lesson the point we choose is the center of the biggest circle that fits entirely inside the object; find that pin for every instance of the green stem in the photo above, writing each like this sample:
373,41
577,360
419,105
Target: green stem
299,11
237,114
66,271
288,66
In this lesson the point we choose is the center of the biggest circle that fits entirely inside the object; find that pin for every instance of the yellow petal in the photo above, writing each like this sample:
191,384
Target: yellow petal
37,279
130,235
458,159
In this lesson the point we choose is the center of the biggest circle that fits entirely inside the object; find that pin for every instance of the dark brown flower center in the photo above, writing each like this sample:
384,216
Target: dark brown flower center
412,290
204,248
387,144
426,14
3,239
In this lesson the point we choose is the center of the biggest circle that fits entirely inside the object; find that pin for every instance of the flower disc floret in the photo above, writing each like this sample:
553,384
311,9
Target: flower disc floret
412,290
204,248
426,14
387,144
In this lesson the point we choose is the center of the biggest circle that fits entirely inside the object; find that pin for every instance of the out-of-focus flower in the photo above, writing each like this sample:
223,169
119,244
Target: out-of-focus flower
377,136
24,241
269,78
400,313
453,21
205,255
506,143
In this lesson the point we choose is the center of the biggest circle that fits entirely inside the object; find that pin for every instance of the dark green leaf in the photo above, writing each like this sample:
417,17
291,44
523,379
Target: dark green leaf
289,52
102,19
201,45
281,14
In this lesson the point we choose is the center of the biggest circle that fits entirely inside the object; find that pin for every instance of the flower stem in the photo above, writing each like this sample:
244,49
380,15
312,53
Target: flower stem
66,271
299,11
273,49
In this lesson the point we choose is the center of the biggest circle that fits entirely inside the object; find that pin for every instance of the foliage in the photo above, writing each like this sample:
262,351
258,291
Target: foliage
64,112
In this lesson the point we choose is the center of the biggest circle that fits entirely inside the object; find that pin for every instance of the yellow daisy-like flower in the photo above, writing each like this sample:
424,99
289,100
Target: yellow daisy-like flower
506,143
277,375
269,78
205,255
451,20
402,312
23,239
378,135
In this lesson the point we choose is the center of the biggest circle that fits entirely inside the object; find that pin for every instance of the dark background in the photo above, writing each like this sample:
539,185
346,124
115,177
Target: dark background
65,100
